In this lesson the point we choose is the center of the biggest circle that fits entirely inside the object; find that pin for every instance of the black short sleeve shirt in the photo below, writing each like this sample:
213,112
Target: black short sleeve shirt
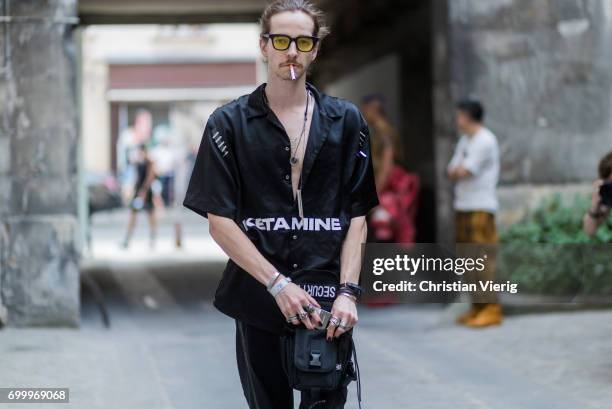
242,172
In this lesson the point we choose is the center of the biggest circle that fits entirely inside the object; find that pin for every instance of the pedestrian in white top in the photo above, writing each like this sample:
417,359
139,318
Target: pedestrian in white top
474,168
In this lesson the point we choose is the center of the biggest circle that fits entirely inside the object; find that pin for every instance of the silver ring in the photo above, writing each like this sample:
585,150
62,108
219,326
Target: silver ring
289,319
334,321
302,315
344,327
309,308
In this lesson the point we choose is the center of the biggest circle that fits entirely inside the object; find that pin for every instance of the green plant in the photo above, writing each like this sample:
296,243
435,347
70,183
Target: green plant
548,253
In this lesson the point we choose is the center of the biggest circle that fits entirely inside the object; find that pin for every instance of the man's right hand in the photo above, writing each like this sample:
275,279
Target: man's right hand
292,300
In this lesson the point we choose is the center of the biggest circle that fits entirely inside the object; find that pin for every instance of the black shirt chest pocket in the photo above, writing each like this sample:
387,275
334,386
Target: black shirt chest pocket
262,158
329,158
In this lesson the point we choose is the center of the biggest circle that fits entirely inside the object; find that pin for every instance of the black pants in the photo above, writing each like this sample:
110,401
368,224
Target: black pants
263,380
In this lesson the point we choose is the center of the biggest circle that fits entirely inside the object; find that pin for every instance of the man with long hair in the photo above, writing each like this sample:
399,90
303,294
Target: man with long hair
285,178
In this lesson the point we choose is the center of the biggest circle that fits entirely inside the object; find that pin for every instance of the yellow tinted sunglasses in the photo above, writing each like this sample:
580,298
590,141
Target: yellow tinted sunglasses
282,42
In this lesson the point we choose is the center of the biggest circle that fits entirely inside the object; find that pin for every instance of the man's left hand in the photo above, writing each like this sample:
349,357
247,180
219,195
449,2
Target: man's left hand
345,310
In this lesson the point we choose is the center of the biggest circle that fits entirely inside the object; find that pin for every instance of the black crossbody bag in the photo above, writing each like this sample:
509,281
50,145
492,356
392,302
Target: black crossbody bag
314,364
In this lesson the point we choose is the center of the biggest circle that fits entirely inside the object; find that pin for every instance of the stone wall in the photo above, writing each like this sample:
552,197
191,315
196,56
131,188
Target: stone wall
543,69
39,275
544,72
443,122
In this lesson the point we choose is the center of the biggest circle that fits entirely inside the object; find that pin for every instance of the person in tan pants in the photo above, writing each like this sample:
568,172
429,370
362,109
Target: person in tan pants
475,170
477,229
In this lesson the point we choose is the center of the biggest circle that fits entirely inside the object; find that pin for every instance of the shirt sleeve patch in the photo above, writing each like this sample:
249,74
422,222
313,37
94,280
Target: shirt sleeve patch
221,145
363,138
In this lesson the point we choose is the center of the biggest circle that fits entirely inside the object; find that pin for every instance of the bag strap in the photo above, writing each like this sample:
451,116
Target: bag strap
357,371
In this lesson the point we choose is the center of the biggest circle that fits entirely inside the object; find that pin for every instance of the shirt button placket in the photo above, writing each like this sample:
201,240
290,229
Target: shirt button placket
294,237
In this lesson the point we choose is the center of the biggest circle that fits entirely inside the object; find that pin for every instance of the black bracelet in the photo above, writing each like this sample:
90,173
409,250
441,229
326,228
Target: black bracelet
348,291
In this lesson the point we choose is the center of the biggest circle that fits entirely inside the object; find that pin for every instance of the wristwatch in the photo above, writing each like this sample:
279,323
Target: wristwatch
355,289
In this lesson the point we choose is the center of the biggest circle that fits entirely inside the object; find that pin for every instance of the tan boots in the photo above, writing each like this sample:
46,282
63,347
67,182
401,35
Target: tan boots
472,313
482,315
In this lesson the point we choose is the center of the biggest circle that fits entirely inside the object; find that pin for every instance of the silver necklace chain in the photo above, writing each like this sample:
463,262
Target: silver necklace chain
294,160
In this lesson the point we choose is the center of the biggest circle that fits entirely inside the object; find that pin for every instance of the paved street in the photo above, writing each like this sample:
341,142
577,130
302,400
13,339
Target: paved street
168,348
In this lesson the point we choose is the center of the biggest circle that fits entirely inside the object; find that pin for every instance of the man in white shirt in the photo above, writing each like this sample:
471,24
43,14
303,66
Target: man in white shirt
474,168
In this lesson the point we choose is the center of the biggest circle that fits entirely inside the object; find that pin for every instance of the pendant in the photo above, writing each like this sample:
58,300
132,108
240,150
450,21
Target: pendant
300,207
293,161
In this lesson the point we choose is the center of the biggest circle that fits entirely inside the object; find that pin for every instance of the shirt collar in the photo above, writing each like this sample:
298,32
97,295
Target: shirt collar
326,111
258,107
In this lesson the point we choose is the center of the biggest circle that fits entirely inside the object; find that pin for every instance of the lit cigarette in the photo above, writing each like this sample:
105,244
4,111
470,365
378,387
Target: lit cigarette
292,72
